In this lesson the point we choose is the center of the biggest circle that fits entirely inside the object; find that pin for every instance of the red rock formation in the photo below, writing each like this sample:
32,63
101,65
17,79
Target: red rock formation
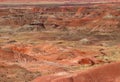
76,27
105,73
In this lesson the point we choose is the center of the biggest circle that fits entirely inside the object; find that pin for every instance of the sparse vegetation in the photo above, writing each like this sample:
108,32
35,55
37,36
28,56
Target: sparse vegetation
39,41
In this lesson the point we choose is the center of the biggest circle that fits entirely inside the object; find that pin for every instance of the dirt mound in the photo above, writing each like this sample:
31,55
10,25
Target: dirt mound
106,73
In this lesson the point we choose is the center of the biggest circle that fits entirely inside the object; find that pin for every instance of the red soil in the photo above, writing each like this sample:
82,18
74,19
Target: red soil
88,25
105,73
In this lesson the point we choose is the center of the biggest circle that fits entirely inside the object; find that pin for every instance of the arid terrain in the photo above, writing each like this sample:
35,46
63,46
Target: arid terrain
60,43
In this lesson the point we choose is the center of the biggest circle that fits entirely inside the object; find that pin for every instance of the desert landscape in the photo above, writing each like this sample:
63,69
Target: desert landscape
60,42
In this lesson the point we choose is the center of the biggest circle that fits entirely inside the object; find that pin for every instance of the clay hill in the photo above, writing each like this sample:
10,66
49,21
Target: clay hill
60,43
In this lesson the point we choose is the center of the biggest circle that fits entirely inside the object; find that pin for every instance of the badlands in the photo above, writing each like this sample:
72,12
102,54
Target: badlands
60,43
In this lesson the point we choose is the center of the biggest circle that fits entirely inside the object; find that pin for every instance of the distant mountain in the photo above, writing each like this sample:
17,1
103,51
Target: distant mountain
22,1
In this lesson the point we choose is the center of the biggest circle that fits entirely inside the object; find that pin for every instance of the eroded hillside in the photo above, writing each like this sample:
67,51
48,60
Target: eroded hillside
60,43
